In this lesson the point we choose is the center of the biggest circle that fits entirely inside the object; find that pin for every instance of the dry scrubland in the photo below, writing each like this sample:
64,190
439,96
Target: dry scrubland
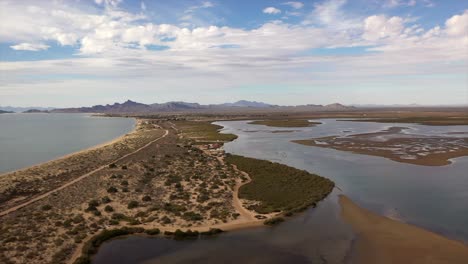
168,186
23,184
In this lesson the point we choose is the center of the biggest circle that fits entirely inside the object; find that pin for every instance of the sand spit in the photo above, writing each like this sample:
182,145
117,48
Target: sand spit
382,240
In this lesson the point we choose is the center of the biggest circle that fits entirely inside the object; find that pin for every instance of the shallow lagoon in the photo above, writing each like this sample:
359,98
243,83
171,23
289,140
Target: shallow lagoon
430,197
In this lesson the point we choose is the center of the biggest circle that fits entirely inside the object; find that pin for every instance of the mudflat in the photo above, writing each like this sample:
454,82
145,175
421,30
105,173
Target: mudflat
397,146
285,123
383,240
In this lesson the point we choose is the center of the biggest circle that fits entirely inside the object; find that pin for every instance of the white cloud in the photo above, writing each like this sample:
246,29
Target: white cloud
113,3
271,10
379,26
458,25
330,13
205,4
30,46
115,44
410,3
143,6
295,5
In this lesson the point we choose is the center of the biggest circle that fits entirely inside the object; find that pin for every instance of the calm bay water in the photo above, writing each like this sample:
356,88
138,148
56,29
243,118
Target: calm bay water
431,197
29,139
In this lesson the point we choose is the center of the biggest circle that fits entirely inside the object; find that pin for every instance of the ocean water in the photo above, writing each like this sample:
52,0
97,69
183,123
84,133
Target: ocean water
29,139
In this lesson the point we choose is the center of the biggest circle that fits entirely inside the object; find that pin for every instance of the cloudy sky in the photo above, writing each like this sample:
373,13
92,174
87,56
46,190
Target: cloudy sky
79,53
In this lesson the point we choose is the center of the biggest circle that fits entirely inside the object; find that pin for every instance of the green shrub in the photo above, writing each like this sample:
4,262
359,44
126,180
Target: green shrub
108,208
153,232
46,207
106,199
132,204
212,232
112,189
273,221
192,216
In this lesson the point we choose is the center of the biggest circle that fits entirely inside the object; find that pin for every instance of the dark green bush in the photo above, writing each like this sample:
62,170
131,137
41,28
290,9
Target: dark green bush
273,221
153,232
132,204
46,207
112,189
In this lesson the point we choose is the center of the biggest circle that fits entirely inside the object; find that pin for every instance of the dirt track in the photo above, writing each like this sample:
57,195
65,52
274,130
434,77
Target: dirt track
42,196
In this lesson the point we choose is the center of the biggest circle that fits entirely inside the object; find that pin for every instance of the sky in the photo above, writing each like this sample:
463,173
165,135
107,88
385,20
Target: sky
80,53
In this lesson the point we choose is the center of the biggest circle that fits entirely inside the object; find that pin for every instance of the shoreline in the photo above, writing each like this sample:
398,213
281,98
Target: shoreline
383,240
245,220
94,147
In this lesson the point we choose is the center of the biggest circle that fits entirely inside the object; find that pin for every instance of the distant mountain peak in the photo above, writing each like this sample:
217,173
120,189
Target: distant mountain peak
245,103
130,106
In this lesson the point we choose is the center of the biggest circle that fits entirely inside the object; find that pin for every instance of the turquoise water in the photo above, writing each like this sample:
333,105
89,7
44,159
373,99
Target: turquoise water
29,139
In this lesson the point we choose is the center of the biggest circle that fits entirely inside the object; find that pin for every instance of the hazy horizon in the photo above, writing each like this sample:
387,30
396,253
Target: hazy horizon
215,103
84,53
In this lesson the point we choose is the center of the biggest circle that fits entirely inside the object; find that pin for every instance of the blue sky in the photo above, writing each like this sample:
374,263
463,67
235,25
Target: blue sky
75,53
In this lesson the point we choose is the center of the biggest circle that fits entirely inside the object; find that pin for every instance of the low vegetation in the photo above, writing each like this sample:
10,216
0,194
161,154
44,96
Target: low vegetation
273,221
285,123
203,131
279,187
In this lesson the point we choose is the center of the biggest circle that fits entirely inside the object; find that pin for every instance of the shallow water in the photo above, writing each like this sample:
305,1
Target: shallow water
432,197
29,139
312,237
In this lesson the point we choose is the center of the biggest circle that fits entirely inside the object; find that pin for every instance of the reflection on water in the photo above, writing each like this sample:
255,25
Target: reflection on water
316,236
431,197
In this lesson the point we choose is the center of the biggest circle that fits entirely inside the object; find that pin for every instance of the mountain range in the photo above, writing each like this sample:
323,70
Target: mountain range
135,107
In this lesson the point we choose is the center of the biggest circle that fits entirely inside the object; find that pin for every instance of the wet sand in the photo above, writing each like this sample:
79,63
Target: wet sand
382,240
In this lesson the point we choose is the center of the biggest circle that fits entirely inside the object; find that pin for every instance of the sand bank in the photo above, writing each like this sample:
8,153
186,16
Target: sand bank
382,240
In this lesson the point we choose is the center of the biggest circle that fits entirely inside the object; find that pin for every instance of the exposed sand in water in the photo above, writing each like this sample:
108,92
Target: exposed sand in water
382,240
